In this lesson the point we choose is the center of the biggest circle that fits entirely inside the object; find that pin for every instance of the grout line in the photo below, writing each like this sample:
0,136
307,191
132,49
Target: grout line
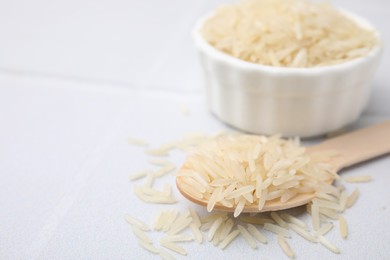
63,77
93,83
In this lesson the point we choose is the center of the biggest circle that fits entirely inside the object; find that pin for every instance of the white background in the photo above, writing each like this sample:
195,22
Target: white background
77,78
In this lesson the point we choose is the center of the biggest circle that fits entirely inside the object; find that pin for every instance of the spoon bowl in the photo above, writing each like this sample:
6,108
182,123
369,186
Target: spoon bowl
353,148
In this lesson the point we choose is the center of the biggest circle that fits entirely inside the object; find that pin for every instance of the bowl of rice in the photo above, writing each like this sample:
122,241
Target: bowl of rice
287,66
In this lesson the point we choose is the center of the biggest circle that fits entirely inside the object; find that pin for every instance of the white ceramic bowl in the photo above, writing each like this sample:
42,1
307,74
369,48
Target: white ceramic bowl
303,102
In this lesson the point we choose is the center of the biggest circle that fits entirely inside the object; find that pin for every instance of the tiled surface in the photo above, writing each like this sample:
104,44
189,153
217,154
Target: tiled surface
77,78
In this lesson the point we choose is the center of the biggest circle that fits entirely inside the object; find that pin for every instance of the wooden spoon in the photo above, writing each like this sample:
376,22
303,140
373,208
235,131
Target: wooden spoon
354,148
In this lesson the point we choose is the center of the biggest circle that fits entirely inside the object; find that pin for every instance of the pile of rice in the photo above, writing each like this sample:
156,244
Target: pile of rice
237,170
241,170
287,33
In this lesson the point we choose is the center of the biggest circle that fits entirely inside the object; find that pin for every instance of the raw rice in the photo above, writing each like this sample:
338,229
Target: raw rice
285,246
247,236
138,175
352,198
227,227
234,177
358,179
170,219
165,255
343,200
177,238
173,246
197,234
137,141
214,228
324,229
184,110
287,33
195,217
257,234
328,245
148,247
136,222
343,227
157,152
140,192
158,223
275,216
141,234
302,232
229,238
257,182
277,229
315,214
294,220
149,180
179,226
256,220
164,170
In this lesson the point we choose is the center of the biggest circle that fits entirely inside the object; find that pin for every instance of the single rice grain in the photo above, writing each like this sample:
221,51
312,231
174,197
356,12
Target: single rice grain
247,236
329,245
285,246
343,227
229,238
257,234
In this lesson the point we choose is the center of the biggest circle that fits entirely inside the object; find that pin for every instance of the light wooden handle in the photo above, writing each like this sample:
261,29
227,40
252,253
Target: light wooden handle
358,146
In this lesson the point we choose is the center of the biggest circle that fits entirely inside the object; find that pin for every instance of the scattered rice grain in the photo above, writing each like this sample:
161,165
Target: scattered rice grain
285,246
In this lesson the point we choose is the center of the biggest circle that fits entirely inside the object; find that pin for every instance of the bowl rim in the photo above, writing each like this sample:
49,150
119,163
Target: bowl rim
219,55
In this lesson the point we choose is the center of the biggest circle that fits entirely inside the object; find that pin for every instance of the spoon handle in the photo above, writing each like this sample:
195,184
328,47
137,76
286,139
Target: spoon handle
358,146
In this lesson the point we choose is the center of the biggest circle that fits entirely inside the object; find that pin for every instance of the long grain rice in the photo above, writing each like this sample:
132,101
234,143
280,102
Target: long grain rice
247,236
291,219
173,246
157,152
353,198
141,235
285,246
315,214
227,227
324,229
229,238
136,222
137,141
358,179
256,220
277,230
271,33
197,234
195,217
275,216
177,238
148,247
165,255
138,175
139,191
234,178
179,226
214,228
169,220
149,180
328,245
302,232
259,174
166,169
343,227
257,234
